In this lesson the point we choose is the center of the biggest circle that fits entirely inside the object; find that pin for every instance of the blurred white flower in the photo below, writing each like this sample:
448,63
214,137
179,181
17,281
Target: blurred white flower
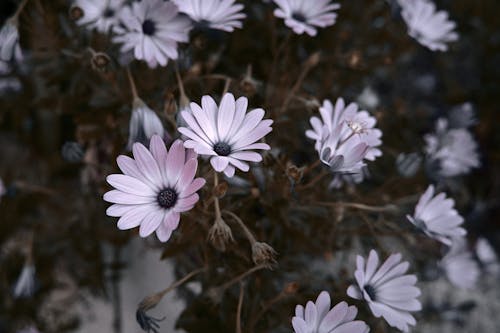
408,164
389,292
453,150
317,317
152,28
459,265
97,14
144,123
368,98
215,14
437,217
341,179
345,136
9,41
306,15
25,284
487,256
462,116
429,27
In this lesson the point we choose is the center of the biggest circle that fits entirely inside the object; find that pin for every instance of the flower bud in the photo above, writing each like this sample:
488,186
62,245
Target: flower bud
220,234
263,254
220,190
144,123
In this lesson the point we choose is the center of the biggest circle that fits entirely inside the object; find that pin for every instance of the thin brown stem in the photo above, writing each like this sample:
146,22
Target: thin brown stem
312,166
314,181
133,88
242,276
15,17
238,311
248,233
227,84
379,209
218,215
183,99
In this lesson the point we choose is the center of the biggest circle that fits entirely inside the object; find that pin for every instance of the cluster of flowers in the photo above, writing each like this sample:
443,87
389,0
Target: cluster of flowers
158,184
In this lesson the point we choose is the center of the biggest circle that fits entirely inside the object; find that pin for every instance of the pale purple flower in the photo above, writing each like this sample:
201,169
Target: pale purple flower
408,164
101,15
215,14
155,187
487,256
226,133
9,41
389,292
429,27
25,284
306,15
459,265
341,179
345,136
436,216
144,123
152,28
317,317
454,151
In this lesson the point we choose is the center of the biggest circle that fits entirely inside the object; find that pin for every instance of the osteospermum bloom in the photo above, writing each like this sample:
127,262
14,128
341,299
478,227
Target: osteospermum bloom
306,15
215,14
436,216
429,27
152,28
459,265
487,256
226,133
345,136
155,187
144,123
317,317
389,292
452,151
97,14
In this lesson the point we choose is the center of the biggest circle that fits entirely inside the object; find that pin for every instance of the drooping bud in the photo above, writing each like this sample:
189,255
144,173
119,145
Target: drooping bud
220,234
263,254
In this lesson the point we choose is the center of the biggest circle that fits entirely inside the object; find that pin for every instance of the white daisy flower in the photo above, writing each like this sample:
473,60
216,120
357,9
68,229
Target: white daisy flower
9,41
215,14
389,292
144,123
306,15
454,151
226,133
437,217
429,27
317,317
345,136
152,28
101,15
459,265
487,256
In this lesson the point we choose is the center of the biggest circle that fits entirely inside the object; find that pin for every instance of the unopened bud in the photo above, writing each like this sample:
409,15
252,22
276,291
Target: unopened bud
220,190
220,234
76,13
263,254
150,301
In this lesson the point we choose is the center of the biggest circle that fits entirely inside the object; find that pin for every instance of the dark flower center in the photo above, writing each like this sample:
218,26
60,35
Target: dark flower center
297,16
370,291
222,149
108,13
149,27
167,198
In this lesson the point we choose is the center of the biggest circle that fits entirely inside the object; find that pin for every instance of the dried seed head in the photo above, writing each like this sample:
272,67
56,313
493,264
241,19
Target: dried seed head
100,61
150,302
76,13
220,190
220,234
263,254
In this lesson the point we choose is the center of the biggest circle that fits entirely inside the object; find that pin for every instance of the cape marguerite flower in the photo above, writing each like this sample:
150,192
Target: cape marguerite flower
9,41
226,133
144,123
459,265
215,14
437,217
317,317
155,187
429,27
389,292
152,28
97,14
306,15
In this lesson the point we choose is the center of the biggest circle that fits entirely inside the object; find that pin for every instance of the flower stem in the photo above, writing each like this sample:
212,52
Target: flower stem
238,311
226,86
15,17
183,99
133,88
248,233
218,215
386,208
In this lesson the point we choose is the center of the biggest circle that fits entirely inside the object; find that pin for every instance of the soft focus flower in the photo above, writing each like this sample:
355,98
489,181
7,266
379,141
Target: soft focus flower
25,284
9,41
429,27
97,14
437,217
72,152
454,151
215,14
389,292
306,15
459,265
144,123
152,28
462,116
487,256
408,164
8,83
345,136
317,317
341,179
156,186
227,133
